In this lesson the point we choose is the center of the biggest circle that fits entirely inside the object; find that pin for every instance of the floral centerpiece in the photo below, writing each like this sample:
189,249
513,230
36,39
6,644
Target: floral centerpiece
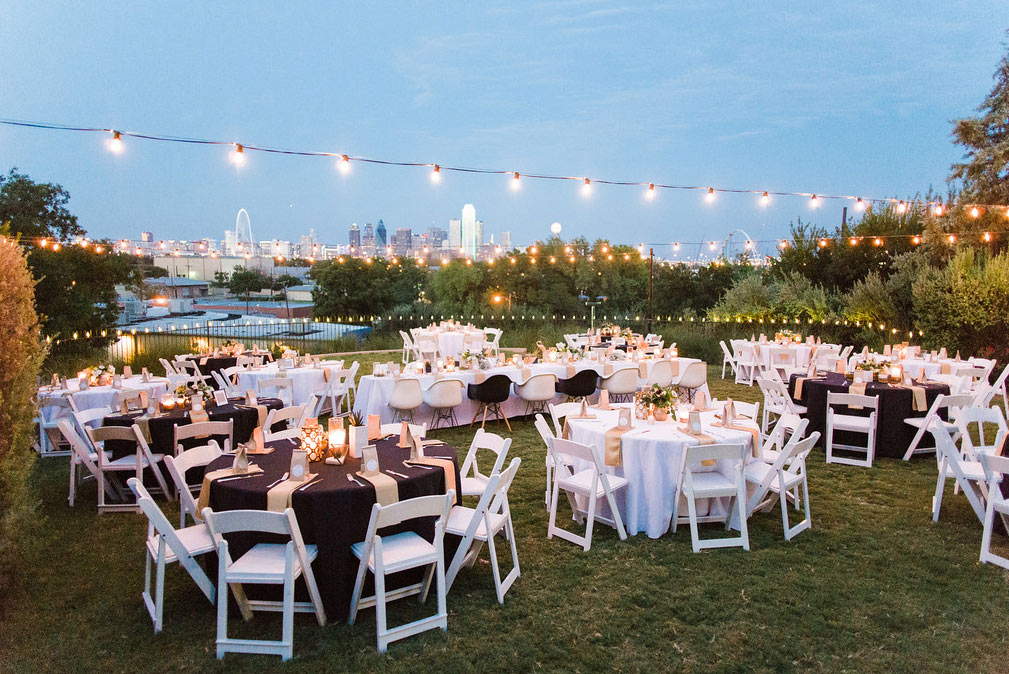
661,400
610,329
627,333
279,351
880,370
183,392
480,358
618,354
97,374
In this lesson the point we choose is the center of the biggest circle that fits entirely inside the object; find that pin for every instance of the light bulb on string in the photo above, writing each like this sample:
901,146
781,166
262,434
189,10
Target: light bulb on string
116,142
853,241
951,238
343,165
650,192
765,199
515,183
436,174
587,188
783,245
877,241
814,202
711,245
901,208
676,246
823,243
916,239
975,212
859,204
987,237
710,196
238,156
937,210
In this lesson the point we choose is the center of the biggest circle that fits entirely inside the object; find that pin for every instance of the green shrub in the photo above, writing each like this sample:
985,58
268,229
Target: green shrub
21,355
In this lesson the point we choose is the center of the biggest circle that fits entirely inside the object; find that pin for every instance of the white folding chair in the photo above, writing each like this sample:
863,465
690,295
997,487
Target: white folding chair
696,484
334,395
560,411
547,436
493,340
189,368
592,483
952,404
984,421
293,415
201,430
50,410
178,466
968,476
853,424
169,368
776,480
264,564
782,359
426,346
974,374
409,349
482,524
131,463
82,457
91,418
383,555
778,405
999,389
279,387
417,430
995,468
727,359
473,481
166,545
224,384
747,362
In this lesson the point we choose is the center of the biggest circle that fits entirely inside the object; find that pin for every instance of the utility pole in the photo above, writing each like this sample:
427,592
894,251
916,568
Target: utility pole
651,262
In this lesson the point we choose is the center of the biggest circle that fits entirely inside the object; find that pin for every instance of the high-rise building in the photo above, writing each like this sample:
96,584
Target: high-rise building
468,244
506,241
478,236
146,237
402,240
436,236
355,236
454,233
368,240
381,241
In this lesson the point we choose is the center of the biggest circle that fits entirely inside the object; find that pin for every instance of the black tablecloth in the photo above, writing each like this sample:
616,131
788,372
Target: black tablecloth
333,514
162,427
893,436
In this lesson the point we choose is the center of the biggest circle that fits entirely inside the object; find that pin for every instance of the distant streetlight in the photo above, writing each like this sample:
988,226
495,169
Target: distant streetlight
592,304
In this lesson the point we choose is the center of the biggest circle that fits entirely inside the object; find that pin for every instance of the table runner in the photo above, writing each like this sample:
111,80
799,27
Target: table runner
204,499
278,498
386,488
613,453
702,439
749,429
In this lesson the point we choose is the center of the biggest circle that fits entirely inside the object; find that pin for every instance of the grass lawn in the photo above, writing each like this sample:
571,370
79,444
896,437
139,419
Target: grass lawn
875,586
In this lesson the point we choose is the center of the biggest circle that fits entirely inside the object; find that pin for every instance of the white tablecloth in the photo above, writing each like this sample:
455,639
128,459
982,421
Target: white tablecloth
306,381
450,342
102,396
802,352
373,392
652,464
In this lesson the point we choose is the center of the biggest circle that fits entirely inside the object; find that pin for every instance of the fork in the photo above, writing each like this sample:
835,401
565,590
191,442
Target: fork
282,478
407,464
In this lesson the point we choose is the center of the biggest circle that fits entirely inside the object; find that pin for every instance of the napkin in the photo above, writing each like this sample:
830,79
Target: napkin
887,350
374,427
127,371
404,435
241,462
604,400
701,401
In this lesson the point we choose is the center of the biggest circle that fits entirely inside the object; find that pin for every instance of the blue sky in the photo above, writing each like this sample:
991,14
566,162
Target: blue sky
855,98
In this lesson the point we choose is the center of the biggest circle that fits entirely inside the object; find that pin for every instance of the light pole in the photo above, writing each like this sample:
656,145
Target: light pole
591,304
497,299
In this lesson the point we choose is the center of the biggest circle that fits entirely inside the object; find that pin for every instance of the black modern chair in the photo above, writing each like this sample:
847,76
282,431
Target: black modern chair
582,385
490,394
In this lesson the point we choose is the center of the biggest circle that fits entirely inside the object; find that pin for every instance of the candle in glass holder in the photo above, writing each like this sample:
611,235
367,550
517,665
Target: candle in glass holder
313,440
896,374
674,353
168,401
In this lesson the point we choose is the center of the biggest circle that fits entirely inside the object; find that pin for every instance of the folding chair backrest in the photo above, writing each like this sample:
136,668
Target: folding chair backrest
78,445
501,490
87,418
226,522
277,385
995,468
489,441
204,429
558,413
749,410
222,383
725,351
544,430
134,399
849,399
436,505
292,415
169,369
125,433
981,419
156,520
694,454
194,457
565,450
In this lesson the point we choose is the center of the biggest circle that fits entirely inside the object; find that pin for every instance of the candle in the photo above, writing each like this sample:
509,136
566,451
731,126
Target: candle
896,373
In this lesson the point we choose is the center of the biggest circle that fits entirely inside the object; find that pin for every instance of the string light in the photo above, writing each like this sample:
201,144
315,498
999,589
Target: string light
823,243
238,156
711,194
952,238
853,241
436,174
901,208
937,210
344,164
783,245
987,237
116,142
650,192
676,246
916,239
877,241
515,181
974,212
587,188
813,203
859,204
765,199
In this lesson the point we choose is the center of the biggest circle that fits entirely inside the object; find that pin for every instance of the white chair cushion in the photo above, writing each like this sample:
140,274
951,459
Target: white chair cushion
847,422
711,482
196,538
264,563
472,486
130,461
581,482
399,551
459,519
757,472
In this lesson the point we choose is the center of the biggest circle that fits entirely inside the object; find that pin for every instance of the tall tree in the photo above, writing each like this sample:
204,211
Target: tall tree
36,210
985,170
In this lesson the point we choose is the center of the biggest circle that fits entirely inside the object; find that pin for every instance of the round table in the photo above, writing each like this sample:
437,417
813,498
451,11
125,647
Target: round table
94,397
896,403
332,514
451,342
652,462
306,381
801,352
162,426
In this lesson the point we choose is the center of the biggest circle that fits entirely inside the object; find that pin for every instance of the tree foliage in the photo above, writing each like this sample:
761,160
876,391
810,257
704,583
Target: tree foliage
36,210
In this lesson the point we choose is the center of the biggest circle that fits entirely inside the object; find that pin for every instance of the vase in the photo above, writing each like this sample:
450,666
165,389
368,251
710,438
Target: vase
357,440
660,413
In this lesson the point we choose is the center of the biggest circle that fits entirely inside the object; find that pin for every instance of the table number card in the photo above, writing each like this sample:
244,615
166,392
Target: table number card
694,421
299,464
220,398
257,440
145,375
117,381
250,398
624,418
369,461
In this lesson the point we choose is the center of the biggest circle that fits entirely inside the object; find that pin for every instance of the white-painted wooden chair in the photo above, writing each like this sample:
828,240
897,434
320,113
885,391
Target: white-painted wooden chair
778,405
277,387
191,369
166,545
334,396
177,468
409,348
493,340
79,472
50,410
695,484
592,483
952,403
293,415
747,362
384,555
83,457
547,436
968,476
264,564
999,389
225,384
995,469
169,368
134,463
474,482
775,480
476,526
727,359
559,412
865,425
